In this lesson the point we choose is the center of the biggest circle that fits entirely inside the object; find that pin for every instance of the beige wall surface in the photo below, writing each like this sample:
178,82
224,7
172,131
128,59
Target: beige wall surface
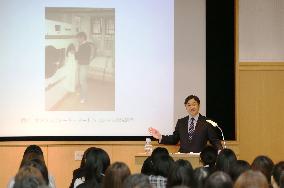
261,112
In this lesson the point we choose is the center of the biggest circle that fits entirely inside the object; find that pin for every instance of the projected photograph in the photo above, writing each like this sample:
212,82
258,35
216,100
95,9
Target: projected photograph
79,59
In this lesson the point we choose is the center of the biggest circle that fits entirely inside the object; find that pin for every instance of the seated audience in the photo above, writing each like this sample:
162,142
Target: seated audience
251,179
219,179
162,166
137,181
33,156
200,175
79,172
265,165
180,174
148,165
277,171
29,177
225,159
208,157
115,175
97,161
238,168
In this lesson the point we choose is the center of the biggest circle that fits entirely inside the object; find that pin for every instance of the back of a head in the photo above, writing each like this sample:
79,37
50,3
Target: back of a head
208,155
162,165
83,161
180,174
281,180
277,171
219,179
147,167
29,177
238,168
97,161
199,177
33,149
158,151
251,179
137,181
225,159
115,175
39,165
263,164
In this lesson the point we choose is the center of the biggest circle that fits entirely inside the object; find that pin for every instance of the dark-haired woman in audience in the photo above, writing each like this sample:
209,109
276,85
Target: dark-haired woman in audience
180,174
265,165
115,175
97,161
251,179
33,157
277,172
29,177
238,167
225,159
79,172
137,181
162,166
208,157
200,175
148,165
219,179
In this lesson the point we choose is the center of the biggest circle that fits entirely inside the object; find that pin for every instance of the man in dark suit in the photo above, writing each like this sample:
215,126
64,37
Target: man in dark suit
192,131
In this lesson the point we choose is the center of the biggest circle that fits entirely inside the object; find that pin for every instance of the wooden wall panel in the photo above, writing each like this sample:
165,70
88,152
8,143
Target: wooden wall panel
261,112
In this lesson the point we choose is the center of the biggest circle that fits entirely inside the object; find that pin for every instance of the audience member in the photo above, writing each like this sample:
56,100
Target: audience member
277,171
281,181
137,181
29,177
200,175
162,166
219,179
238,168
251,179
79,172
265,165
33,157
180,174
208,157
148,165
225,159
115,175
97,161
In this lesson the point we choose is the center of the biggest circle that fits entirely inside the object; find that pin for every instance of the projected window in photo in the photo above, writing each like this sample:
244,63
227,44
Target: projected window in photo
79,59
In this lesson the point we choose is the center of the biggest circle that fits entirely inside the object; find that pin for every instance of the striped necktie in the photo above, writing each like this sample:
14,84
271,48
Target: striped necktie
191,129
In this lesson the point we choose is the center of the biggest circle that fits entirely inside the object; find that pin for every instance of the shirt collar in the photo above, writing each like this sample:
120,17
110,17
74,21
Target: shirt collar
195,117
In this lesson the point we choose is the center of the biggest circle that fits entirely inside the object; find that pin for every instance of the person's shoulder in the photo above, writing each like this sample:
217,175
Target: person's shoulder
183,118
202,118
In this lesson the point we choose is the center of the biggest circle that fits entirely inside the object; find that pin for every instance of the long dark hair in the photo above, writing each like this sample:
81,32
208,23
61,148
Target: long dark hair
97,161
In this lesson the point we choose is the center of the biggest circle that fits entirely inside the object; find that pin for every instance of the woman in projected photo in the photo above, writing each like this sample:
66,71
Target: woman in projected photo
71,69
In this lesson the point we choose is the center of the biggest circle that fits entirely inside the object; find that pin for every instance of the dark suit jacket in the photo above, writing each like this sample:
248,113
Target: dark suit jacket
203,132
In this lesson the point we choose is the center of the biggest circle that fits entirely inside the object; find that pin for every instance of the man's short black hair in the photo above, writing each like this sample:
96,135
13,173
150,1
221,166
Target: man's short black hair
192,97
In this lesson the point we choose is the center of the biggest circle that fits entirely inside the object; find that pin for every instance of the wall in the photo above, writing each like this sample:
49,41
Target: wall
261,113
260,78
